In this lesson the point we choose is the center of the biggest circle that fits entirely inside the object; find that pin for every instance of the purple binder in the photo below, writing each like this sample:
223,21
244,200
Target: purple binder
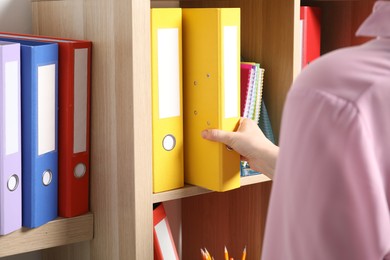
10,138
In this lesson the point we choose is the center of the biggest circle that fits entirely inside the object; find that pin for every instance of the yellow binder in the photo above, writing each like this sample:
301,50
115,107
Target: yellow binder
211,72
167,107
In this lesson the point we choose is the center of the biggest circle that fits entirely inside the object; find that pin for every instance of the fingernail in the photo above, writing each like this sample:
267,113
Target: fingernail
204,133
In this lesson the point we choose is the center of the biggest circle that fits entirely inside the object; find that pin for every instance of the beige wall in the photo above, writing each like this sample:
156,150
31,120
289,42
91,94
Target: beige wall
15,15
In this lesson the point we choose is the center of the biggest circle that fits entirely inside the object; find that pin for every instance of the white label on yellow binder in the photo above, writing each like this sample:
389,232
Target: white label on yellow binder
12,106
80,100
168,72
230,63
46,108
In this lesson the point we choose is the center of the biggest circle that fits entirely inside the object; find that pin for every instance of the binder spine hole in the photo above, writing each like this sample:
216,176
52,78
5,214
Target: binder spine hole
13,182
47,177
79,170
169,142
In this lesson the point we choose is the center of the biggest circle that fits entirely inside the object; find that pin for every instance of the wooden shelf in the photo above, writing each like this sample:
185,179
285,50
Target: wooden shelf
191,190
62,231
249,180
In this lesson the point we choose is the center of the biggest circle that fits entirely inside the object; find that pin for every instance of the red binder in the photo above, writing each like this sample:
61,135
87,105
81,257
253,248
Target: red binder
164,246
311,33
74,84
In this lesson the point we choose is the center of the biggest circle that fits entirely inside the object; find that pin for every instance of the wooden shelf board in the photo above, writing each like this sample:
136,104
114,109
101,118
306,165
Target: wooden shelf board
191,190
253,179
187,191
61,231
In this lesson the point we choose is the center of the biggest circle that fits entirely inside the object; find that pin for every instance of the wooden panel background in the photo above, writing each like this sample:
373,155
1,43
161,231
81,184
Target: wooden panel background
121,188
234,219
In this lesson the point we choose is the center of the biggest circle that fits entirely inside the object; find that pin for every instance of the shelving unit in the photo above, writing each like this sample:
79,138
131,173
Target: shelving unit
121,176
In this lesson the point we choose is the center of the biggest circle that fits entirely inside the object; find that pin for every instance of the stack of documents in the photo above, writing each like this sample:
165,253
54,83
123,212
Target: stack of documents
252,78
252,104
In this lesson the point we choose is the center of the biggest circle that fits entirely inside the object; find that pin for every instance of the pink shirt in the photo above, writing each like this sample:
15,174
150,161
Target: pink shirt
331,191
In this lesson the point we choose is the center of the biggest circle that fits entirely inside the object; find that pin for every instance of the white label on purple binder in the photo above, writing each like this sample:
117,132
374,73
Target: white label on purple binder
230,73
12,107
80,100
46,108
168,72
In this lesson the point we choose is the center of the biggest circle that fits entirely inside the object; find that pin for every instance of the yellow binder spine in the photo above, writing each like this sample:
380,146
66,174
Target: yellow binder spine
167,106
211,67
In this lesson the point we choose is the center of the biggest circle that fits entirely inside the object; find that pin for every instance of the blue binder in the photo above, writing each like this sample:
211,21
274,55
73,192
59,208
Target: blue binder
39,95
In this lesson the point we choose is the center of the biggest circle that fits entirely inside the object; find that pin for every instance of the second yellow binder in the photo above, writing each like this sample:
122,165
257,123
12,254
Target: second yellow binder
167,108
211,72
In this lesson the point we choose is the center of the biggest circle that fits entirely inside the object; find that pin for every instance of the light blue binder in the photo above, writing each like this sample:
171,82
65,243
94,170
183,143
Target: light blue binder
39,91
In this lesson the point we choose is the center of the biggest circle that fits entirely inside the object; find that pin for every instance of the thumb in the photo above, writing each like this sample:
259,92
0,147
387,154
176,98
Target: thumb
217,135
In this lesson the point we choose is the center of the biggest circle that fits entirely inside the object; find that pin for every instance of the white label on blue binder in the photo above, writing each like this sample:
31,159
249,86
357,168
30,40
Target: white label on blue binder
230,64
46,108
165,240
80,100
168,72
12,107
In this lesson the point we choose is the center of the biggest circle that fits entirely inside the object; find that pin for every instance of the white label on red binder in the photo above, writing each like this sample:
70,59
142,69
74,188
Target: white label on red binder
80,100
168,72
230,73
46,108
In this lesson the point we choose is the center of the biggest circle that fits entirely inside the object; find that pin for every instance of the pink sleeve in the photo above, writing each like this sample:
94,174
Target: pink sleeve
328,198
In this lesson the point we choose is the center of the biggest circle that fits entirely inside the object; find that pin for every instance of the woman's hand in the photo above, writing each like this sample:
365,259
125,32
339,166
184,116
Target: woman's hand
251,143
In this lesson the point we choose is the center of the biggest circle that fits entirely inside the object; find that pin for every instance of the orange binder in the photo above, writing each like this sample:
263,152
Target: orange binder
74,84
164,246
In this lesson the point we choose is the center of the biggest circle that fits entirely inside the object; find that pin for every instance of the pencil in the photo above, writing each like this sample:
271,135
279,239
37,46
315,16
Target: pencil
208,256
244,254
226,254
204,257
